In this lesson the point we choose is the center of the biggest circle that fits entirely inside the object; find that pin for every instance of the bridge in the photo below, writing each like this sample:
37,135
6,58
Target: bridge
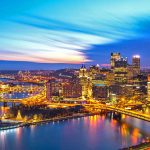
21,88
33,100
41,99
124,111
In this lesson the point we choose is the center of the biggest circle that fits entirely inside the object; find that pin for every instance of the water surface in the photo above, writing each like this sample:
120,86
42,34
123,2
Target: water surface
87,133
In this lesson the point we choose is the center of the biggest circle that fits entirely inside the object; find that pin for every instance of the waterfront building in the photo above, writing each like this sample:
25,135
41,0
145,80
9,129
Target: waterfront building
100,92
114,57
72,89
53,89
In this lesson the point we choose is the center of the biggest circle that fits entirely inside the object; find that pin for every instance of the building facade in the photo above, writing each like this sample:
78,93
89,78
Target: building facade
114,57
136,65
53,89
72,89
99,91
85,82
120,70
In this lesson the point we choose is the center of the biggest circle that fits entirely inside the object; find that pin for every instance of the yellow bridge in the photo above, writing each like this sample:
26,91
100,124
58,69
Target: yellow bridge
124,111
36,99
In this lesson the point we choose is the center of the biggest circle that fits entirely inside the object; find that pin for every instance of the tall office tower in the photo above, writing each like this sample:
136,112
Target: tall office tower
114,57
136,65
120,70
85,82
148,88
83,72
94,71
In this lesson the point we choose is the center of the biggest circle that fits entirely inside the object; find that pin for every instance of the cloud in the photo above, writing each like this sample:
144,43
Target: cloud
52,42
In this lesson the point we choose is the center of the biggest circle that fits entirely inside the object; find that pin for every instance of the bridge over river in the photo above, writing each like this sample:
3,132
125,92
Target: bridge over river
32,100
132,113
41,98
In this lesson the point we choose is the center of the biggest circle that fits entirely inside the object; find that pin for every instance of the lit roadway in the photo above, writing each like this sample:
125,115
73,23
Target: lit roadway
41,99
20,88
34,100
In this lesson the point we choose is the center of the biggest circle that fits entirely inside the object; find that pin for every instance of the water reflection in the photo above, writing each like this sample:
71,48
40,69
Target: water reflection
93,132
2,140
18,95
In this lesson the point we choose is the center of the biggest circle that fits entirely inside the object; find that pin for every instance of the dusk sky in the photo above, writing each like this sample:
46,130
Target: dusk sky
72,32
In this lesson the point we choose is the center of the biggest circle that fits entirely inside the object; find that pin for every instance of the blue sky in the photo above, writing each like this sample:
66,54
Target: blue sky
72,32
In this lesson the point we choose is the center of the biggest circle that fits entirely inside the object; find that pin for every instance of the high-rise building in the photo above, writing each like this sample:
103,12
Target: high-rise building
53,88
85,82
148,88
136,65
72,89
114,57
94,71
120,70
83,72
100,91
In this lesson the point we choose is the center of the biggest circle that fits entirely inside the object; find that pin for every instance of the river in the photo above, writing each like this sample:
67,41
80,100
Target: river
18,95
88,133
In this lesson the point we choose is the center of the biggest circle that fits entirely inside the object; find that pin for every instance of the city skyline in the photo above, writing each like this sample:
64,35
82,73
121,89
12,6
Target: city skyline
74,74
79,32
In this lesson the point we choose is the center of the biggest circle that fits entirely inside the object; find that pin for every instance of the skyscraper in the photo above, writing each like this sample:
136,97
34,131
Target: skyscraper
120,70
85,82
114,57
136,65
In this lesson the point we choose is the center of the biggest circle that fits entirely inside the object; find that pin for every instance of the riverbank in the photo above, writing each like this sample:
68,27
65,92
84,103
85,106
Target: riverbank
142,146
55,119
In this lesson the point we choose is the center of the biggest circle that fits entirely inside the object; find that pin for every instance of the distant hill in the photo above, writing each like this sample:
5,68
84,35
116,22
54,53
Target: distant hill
23,65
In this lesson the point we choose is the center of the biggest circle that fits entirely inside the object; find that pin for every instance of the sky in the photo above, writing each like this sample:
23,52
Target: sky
41,34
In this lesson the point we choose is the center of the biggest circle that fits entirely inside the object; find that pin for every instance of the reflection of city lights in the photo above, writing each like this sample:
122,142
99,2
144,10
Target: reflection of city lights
123,116
2,137
135,135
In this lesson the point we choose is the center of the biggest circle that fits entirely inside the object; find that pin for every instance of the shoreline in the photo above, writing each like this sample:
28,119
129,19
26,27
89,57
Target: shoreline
56,119
26,124
141,146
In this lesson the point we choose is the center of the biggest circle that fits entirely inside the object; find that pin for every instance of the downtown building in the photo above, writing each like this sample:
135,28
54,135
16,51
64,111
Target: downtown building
58,90
127,81
100,92
136,65
53,89
72,89
120,70
85,82
114,57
